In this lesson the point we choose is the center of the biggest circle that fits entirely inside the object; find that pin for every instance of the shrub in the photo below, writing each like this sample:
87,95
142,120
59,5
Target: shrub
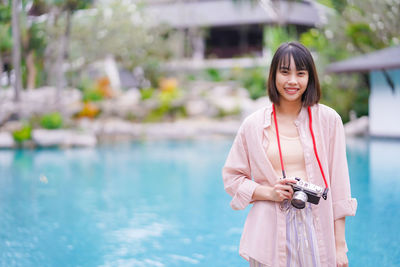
51,121
254,81
92,95
23,134
214,75
90,91
146,93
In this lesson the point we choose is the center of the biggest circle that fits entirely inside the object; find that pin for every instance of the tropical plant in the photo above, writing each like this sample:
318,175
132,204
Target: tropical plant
51,120
23,134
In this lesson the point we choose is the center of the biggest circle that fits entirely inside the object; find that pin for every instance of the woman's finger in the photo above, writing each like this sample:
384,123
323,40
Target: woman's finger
283,194
286,188
287,180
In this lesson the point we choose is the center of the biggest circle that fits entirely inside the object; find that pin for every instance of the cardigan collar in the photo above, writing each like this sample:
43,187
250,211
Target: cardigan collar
301,118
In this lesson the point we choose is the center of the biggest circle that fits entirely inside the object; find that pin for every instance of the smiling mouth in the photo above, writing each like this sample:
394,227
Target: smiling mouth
291,90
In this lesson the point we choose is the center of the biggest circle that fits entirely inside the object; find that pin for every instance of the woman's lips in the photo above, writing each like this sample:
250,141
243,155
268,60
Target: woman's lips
291,90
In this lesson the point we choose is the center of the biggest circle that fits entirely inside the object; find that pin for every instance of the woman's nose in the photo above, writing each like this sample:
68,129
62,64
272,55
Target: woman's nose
292,79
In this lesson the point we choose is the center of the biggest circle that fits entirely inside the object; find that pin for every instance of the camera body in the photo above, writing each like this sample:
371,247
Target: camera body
305,192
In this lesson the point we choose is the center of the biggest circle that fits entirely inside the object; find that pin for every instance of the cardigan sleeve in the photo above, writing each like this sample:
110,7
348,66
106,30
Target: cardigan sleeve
236,174
343,204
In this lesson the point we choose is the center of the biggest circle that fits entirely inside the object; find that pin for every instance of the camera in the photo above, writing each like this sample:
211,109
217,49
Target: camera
305,192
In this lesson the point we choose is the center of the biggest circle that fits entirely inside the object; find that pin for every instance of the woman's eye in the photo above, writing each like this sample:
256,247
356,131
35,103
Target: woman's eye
301,73
284,71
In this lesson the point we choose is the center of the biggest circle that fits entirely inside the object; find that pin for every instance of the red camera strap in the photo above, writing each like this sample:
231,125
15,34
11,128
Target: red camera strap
313,139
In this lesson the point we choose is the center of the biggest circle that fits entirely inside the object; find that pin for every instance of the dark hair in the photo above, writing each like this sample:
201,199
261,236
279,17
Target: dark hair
304,61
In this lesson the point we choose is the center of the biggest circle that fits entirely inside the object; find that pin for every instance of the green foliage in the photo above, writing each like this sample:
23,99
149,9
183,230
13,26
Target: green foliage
70,5
5,13
362,36
166,97
74,5
168,108
274,36
134,42
6,38
165,111
146,93
358,27
338,5
314,39
92,95
223,113
214,75
5,28
37,38
51,121
23,134
89,91
254,80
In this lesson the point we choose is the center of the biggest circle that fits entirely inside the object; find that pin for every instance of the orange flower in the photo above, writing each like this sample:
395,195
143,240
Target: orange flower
168,84
89,110
104,86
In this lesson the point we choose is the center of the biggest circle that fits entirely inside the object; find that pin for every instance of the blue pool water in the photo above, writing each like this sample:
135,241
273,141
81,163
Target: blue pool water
163,204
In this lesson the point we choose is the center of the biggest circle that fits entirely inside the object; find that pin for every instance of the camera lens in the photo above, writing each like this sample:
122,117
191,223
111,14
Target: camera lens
299,199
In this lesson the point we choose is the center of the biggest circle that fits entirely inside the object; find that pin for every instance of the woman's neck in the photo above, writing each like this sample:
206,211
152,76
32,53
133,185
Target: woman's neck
289,110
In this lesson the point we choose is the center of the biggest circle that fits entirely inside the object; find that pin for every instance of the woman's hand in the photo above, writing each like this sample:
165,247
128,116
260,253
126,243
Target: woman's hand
341,258
278,192
340,243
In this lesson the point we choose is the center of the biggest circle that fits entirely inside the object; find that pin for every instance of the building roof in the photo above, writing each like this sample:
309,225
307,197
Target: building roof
186,14
388,58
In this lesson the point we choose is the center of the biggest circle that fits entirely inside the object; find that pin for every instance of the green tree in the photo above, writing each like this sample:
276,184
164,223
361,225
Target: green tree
59,21
5,32
356,27
119,28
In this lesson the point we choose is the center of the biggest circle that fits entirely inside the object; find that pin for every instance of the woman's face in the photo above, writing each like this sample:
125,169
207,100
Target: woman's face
291,83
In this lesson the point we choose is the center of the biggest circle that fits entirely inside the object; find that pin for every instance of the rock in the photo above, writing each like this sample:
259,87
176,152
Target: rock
7,109
254,105
196,107
168,131
221,91
64,138
6,140
130,98
243,93
223,127
122,106
39,101
76,139
111,126
48,138
120,127
228,105
12,126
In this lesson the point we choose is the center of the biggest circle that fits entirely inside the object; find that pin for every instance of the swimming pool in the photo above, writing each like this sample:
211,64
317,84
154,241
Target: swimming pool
162,204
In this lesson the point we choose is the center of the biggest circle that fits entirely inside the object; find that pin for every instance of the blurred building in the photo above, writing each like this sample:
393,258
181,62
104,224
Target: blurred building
383,67
215,30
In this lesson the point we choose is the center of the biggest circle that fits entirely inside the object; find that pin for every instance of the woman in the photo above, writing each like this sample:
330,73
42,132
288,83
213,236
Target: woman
295,136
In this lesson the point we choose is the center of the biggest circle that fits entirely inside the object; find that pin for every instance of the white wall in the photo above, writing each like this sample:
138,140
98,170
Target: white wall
384,105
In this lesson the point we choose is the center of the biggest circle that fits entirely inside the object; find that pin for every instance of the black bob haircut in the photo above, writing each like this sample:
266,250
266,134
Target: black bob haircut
304,61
